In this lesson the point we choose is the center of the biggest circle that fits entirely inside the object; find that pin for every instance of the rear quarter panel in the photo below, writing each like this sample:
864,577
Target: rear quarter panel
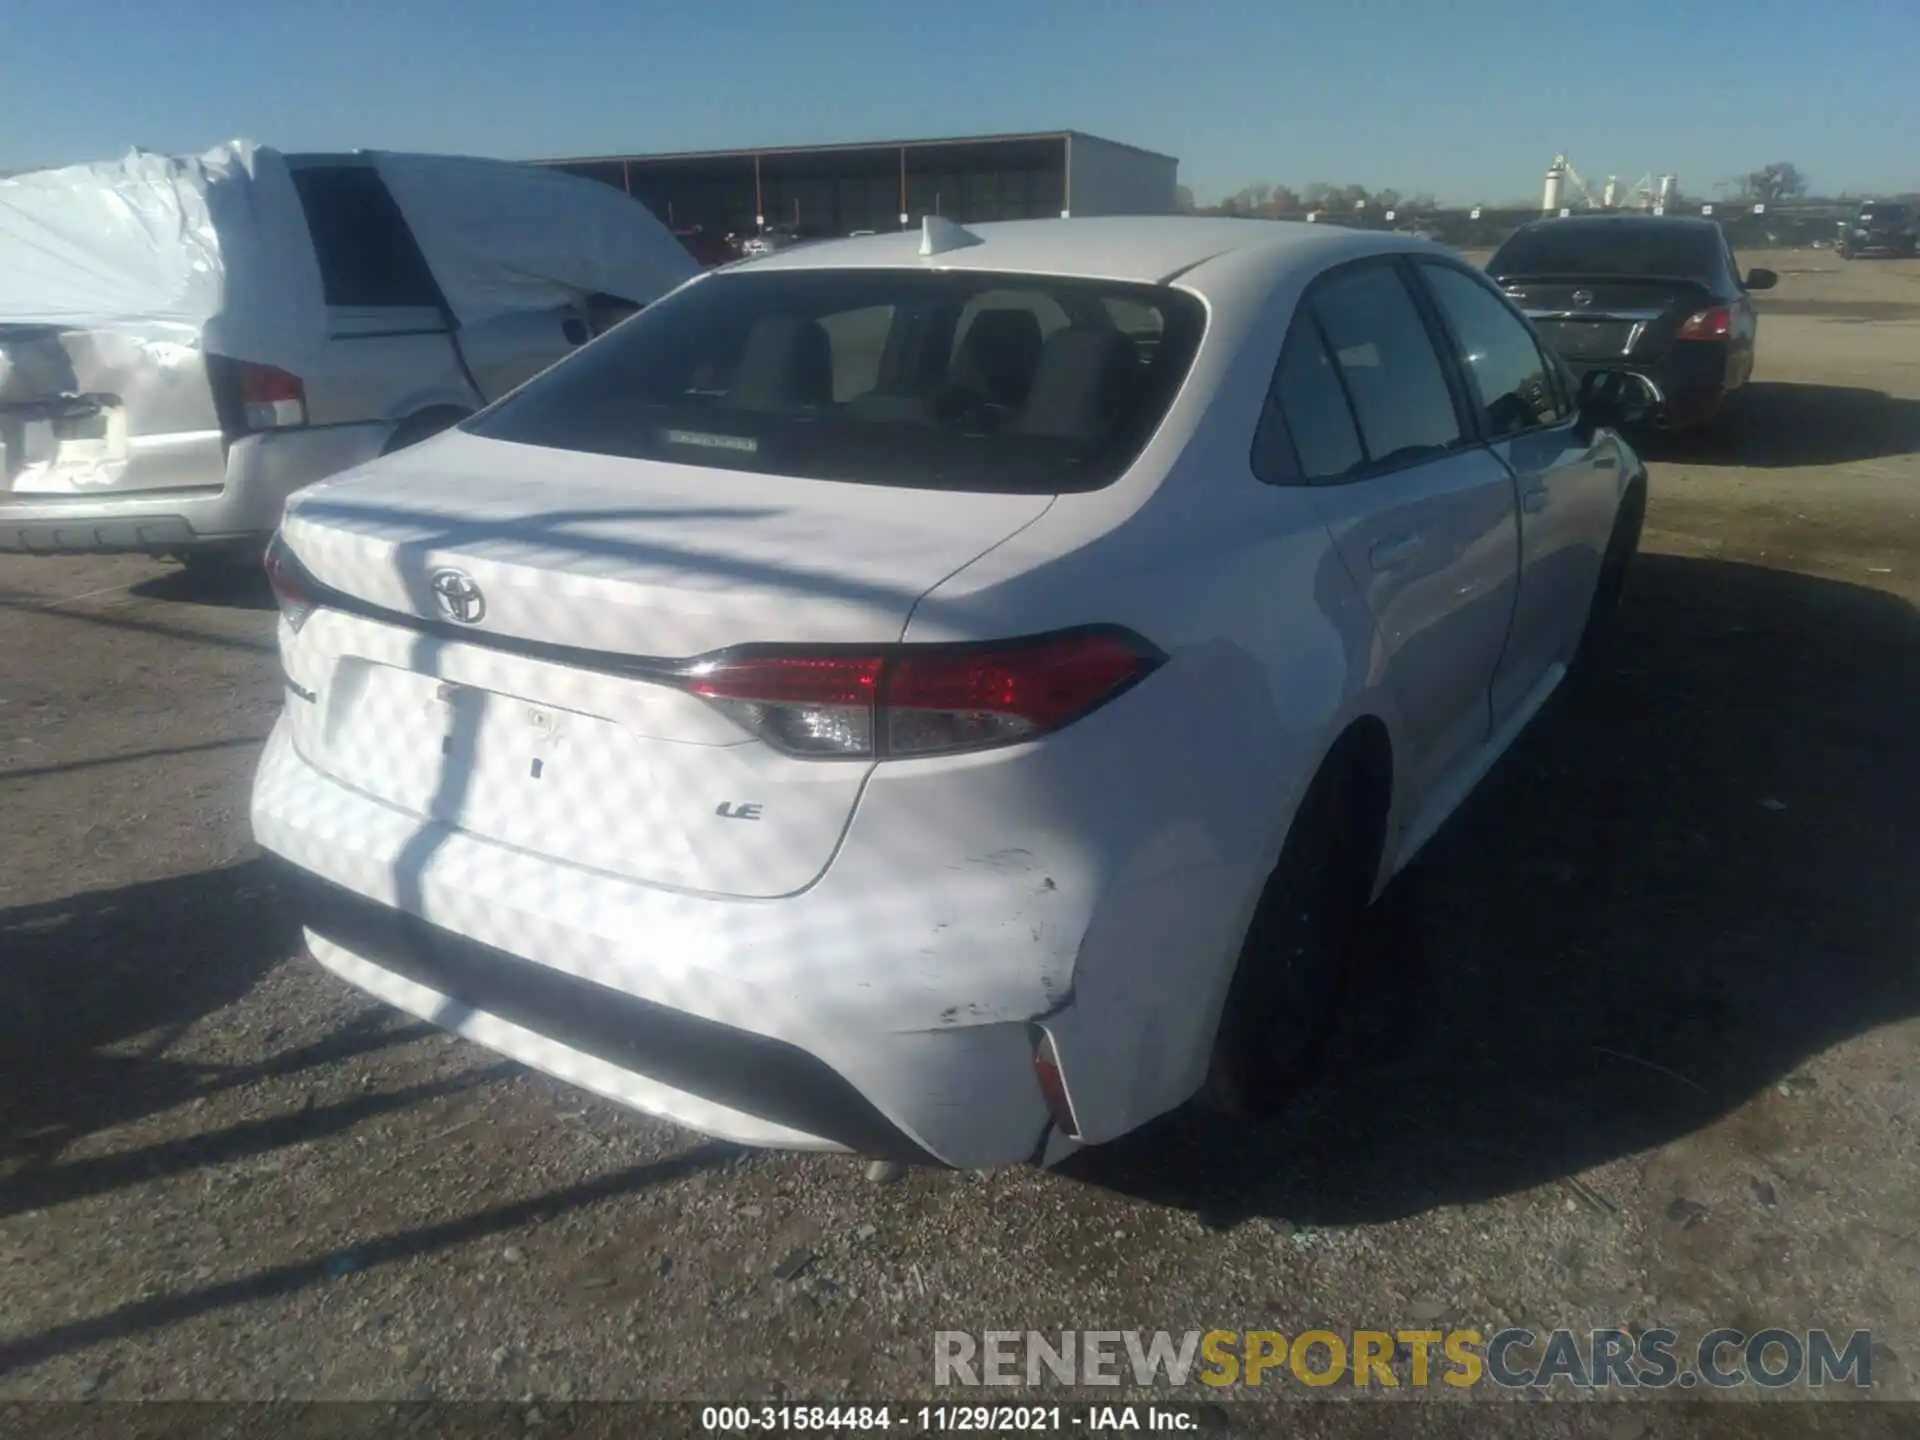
384,364
1191,779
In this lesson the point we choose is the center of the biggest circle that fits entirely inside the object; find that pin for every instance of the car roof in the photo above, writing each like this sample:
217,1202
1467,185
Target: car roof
1149,249
1622,222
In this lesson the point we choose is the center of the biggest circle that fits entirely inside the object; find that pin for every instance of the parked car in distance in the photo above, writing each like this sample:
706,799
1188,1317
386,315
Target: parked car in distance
1661,296
706,247
774,238
729,720
186,341
1882,227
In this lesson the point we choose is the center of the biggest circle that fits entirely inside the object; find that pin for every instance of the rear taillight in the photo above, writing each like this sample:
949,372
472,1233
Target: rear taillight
1714,324
803,704
909,700
292,586
272,399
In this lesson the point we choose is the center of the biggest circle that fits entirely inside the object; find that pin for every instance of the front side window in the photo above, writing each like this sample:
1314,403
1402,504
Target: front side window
937,380
1512,381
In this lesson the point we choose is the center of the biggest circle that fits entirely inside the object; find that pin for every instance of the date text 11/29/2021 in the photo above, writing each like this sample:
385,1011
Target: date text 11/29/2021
967,1419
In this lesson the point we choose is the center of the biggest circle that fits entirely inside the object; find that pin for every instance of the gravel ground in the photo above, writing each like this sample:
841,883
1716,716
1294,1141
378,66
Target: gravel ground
1637,1044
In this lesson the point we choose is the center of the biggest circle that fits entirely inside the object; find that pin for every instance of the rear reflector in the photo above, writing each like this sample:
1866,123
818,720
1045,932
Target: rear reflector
1053,1086
293,587
918,700
1714,324
273,399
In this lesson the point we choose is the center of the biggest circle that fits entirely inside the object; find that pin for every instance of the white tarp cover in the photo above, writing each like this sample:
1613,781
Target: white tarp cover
164,247
217,245
500,236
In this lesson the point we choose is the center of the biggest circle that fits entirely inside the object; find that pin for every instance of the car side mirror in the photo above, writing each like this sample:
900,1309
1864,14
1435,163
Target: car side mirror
1615,399
1761,279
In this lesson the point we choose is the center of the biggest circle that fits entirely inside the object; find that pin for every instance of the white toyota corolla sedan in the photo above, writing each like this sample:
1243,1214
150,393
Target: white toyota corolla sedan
943,695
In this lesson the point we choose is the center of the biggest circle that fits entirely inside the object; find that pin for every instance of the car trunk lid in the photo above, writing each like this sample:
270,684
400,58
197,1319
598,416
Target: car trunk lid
494,660
1602,319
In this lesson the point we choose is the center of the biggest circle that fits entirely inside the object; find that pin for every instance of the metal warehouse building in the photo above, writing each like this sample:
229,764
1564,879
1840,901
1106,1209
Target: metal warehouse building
883,185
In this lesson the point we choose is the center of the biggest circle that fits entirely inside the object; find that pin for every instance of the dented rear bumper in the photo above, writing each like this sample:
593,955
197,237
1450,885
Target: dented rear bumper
826,1020
239,500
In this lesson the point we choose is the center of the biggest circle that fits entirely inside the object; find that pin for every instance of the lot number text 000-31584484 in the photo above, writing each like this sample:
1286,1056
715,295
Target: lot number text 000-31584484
1086,1419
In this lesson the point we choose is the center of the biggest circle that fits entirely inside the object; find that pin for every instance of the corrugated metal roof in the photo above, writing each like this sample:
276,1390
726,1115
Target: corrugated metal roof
1011,138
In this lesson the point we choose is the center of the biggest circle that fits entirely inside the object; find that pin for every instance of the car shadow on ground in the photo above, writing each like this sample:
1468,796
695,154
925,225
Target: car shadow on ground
1780,425
1679,885
237,586
95,988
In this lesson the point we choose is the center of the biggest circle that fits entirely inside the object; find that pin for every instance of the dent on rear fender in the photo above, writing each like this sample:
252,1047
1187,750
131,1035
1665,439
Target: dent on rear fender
1037,924
1135,1026
1243,724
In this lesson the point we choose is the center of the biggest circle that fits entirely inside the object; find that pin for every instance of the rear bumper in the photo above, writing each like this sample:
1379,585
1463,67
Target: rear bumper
1694,379
242,504
1887,245
776,1023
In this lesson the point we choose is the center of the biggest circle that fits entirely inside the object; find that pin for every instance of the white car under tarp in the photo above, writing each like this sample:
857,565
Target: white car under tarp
213,248
186,341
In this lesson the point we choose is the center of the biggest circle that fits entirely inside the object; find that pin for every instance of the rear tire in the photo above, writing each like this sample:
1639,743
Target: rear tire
1296,961
1598,638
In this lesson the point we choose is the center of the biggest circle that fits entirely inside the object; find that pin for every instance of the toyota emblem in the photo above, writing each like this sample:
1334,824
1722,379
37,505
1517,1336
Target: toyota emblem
1583,297
457,596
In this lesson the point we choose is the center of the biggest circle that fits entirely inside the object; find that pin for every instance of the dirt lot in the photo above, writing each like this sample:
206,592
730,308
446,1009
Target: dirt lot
1639,1044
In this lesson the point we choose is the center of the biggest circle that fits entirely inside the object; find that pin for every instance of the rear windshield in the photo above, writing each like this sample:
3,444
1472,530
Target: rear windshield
952,381
1684,252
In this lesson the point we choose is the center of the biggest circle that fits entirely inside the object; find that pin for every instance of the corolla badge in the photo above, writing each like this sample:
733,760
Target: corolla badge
457,597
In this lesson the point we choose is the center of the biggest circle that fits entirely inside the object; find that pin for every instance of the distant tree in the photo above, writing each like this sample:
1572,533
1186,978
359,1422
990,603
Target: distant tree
1252,199
1183,199
1773,183
1273,201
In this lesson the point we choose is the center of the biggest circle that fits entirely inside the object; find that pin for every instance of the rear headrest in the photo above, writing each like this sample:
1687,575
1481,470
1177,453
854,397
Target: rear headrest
1083,384
998,355
787,362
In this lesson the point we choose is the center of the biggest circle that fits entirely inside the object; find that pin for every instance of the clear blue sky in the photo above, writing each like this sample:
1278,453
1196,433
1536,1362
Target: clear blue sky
1469,98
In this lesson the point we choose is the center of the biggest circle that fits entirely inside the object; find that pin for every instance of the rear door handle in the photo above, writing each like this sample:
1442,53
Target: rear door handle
575,330
1535,500
1392,554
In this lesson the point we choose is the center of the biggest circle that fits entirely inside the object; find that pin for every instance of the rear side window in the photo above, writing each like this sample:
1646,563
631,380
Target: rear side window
367,255
955,380
1387,365
1308,405
1512,382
